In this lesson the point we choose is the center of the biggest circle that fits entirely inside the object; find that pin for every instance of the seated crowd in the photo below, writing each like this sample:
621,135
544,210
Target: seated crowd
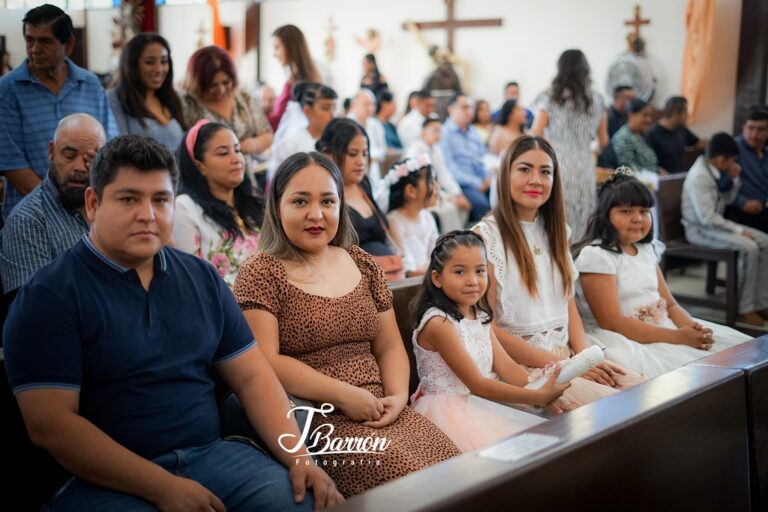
135,225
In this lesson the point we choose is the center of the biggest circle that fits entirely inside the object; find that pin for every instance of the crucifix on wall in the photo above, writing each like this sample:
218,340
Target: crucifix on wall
636,43
450,24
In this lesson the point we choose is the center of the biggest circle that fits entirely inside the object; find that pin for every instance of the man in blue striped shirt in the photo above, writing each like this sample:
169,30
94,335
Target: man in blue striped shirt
51,219
35,96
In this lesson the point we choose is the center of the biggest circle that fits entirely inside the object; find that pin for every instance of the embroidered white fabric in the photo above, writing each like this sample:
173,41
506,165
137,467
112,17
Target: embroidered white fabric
435,376
542,320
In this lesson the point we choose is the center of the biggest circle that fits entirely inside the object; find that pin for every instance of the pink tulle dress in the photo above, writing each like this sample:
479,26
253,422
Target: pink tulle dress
470,421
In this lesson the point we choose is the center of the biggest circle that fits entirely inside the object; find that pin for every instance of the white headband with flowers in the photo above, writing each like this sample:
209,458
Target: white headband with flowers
406,167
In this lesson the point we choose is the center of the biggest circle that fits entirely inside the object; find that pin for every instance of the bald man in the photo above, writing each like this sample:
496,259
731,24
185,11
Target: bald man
51,219
363,110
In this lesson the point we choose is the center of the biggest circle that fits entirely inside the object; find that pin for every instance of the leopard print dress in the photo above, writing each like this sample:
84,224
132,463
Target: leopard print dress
333,336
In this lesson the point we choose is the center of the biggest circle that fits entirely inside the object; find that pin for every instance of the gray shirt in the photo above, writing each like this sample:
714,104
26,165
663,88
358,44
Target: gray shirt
168,134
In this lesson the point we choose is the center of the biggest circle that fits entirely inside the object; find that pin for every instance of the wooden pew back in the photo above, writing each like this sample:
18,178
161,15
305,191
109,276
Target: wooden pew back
403,293
752,359
676,442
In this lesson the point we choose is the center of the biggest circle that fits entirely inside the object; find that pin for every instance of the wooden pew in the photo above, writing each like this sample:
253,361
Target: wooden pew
752,359
676,442
672,233
402,293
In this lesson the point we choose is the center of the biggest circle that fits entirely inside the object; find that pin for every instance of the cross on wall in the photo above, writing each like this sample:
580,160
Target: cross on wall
450,24
637,22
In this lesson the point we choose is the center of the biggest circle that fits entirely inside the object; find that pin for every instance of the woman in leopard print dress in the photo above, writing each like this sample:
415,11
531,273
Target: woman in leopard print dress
321,311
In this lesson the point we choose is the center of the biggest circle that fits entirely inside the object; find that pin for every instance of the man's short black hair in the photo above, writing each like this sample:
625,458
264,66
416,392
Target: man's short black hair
384,96
422,94
141,153
431,118
758,113
455,98
675,105
510,84
722,144
47,14
619,89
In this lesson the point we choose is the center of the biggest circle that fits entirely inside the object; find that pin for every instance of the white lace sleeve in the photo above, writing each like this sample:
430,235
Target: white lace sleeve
594,260
494,248
428,315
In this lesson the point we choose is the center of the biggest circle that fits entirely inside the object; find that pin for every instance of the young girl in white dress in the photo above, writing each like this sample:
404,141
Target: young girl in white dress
458,357
532,275
623,295
412,190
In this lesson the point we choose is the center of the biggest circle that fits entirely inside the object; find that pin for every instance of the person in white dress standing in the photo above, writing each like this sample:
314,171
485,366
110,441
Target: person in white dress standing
570,114
622,293
532,276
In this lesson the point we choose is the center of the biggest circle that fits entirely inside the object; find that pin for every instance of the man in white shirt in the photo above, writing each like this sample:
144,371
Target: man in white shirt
713,183
453,207
409,128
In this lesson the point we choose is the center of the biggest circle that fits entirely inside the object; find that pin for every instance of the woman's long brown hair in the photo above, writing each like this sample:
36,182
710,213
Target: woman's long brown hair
552,212
297,54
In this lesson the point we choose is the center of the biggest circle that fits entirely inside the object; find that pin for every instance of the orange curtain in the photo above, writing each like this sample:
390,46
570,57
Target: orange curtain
219,39
697,55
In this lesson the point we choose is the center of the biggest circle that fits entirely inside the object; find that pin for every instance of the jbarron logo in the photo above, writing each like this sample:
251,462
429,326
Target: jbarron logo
320,441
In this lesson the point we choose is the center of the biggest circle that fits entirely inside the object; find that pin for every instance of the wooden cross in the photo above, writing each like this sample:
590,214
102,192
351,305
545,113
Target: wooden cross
637,22
451,23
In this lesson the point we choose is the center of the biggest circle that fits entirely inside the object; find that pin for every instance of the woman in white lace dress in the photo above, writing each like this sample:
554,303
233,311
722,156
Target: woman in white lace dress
570,114
623,295
460,362
532,275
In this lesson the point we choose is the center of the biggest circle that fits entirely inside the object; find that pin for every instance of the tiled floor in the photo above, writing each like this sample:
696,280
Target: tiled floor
691,282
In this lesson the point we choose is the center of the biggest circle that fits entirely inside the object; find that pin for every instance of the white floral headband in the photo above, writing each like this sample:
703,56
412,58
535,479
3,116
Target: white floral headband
406,167
623,169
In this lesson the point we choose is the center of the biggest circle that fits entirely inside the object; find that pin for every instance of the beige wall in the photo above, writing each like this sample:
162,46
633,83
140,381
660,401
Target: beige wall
525,48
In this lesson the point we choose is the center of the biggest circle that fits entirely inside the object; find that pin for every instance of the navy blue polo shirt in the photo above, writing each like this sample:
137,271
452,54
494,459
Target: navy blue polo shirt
139,359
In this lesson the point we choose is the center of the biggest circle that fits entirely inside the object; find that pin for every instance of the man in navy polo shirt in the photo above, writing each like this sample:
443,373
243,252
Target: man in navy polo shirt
108,351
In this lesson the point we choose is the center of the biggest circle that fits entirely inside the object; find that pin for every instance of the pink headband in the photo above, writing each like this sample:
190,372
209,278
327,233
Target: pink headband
191,139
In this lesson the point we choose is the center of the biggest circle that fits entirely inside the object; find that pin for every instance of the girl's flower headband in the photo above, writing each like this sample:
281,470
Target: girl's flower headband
406,167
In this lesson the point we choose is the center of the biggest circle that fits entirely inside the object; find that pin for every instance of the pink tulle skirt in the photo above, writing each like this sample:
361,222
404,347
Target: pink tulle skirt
470,421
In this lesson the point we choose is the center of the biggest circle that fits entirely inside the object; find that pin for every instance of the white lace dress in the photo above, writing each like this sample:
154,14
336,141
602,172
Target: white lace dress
637,288
571,131
470,421
542,321
417,238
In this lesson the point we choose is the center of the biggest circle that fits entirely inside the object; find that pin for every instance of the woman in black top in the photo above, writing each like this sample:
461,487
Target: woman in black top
346,143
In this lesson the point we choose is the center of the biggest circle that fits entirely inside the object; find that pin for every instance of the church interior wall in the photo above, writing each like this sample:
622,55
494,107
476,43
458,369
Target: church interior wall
525,48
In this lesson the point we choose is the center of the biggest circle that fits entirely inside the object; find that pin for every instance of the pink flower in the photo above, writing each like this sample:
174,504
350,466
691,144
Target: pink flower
221,262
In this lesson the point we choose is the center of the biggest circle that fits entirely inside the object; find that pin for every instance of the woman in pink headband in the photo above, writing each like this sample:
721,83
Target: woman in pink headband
218,213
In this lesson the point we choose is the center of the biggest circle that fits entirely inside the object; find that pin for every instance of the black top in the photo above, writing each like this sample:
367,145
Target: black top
669,145
616,120
371,231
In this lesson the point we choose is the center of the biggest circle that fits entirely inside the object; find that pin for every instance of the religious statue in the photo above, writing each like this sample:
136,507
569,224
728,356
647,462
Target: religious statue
330,41
371,42
202,33
124,26
631,68
443,82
